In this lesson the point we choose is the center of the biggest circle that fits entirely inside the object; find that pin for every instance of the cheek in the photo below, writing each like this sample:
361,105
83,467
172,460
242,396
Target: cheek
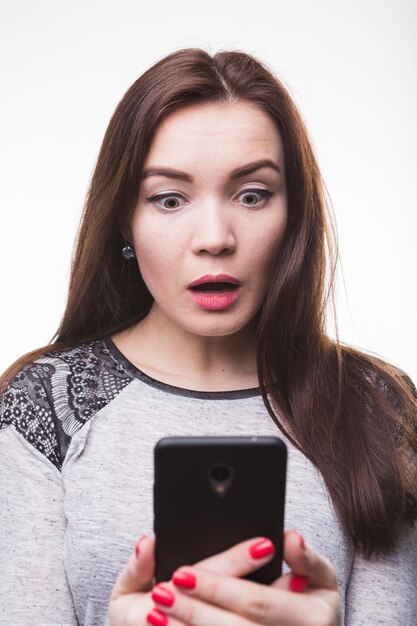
157,253
266,245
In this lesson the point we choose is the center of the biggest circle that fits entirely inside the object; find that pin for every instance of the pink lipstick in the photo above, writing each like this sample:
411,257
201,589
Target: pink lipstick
215,292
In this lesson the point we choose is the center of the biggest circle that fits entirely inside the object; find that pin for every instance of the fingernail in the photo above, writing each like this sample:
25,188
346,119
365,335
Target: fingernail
157,618
298,583
301,538
184,579
261,548
141,538
163,596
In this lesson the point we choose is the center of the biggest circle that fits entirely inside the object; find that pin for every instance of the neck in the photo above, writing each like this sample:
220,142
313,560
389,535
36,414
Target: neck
175,356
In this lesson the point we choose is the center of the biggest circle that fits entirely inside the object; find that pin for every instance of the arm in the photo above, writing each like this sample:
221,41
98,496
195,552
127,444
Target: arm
382,590
33,584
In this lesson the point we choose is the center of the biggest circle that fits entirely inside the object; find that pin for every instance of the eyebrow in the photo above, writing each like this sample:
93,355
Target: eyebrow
234,174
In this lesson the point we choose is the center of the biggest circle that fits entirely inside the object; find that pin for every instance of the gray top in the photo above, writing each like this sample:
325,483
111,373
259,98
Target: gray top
77,431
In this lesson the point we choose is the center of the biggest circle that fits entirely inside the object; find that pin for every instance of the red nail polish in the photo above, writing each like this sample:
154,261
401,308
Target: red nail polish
184,579
157,618
141,538
163,596
261,548
298,583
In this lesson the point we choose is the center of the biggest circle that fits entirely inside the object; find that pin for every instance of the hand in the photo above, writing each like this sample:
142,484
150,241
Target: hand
211,593
219,597
130,599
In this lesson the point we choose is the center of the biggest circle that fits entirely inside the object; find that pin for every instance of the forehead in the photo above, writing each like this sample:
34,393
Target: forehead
227,134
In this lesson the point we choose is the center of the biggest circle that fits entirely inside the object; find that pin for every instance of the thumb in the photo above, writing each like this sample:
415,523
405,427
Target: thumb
138,573
306,563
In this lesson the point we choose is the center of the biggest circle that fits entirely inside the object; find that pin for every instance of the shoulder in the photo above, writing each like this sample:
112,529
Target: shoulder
367,373
52,397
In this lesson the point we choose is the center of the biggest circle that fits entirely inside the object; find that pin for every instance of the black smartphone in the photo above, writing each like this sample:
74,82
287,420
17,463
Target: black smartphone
213,492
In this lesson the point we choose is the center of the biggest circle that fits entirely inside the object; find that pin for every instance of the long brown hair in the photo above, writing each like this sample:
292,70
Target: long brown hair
351,414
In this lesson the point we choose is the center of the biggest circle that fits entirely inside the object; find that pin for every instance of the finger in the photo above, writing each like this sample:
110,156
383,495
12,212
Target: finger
224,600
241,559
157,617
304,561
191,610
138,573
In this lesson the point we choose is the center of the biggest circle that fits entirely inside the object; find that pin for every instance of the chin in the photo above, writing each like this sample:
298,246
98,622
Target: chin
217,328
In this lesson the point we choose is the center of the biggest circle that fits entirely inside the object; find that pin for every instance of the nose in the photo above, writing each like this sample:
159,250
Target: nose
213,231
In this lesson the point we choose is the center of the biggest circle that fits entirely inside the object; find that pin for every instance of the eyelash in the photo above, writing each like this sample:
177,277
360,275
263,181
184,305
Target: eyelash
262,192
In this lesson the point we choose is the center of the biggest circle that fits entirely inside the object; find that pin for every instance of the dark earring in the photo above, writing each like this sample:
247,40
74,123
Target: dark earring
128,252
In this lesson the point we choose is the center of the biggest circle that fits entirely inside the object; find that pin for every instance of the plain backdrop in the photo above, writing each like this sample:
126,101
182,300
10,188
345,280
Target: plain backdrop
351,68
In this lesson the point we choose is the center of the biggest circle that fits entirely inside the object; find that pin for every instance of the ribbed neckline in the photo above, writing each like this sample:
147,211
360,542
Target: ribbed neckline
135,372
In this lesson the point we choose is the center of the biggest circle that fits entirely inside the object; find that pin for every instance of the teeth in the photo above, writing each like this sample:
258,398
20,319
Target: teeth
215,287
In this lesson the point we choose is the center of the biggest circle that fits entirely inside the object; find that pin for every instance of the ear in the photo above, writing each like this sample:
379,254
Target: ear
126,233
125,225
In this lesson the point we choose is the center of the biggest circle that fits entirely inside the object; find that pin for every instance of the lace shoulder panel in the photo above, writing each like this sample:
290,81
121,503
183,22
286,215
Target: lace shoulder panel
51,398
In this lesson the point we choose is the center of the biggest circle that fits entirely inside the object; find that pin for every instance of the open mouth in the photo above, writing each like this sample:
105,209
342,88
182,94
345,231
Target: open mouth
215,287
215,293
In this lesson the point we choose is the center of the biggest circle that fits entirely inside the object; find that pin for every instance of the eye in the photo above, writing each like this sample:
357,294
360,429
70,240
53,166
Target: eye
172,199
252,193
161,198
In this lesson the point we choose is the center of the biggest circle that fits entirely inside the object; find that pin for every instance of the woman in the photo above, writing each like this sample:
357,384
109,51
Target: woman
197,306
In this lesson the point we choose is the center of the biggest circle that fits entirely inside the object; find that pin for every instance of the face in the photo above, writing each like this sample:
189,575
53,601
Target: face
210,221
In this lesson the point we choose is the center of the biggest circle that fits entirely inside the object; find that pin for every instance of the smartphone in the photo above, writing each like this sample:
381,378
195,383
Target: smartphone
213,492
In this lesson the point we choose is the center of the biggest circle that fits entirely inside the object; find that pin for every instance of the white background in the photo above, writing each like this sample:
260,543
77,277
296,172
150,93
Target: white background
351,68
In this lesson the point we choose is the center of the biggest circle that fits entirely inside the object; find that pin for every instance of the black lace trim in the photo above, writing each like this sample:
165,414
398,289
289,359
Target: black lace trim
50,399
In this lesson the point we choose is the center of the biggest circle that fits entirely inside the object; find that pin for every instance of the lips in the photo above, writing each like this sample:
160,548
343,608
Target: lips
215,293
214,284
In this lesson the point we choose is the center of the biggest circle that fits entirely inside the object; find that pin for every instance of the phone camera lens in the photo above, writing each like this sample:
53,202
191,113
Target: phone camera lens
220,472
221,478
